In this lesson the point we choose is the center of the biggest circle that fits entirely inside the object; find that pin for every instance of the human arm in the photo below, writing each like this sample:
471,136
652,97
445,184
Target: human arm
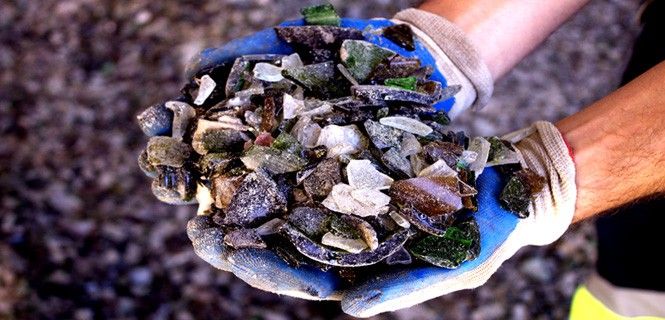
619,145
505,31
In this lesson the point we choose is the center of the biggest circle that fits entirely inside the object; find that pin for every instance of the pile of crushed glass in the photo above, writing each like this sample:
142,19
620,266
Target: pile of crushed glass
332,156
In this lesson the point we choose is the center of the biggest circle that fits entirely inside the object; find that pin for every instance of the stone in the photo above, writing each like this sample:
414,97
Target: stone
433,196
400,34
361,57
273,160
407,124
459,243
346,244
362,174
216,163
212,136
206,87
264,139
167,151
256,200
244,238
321,15
520,190
322,179
383,136
155,120
183,114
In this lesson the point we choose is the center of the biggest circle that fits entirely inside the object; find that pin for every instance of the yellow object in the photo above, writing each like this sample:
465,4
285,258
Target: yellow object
586,307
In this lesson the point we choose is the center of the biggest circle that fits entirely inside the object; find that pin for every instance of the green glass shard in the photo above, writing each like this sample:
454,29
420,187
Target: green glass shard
288,143
362,57
408,83
519,191
321,15
458,244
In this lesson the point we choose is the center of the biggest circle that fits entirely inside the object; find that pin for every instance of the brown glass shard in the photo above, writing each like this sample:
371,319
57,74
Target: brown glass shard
431,195
402,35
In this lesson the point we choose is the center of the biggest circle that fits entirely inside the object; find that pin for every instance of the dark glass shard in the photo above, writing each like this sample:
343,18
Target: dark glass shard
313,222
271,159
446,151
240,75
402,35
321,181
398,67
519,191
459,243
148,169
383,136
401,256
175,185
244,238
321,15
257,199
425,223
314,77
156,120
433,196
322,254
316,37
375,94
362,57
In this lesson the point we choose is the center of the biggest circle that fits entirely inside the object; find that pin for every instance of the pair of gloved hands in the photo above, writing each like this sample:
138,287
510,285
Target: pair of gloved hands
440,44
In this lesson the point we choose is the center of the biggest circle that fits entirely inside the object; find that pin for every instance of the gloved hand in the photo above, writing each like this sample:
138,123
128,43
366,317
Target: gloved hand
501,232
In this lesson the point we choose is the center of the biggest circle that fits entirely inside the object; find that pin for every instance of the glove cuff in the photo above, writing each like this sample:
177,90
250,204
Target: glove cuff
546,153
455,56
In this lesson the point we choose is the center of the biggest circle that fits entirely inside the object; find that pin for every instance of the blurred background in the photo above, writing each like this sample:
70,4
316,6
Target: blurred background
82,237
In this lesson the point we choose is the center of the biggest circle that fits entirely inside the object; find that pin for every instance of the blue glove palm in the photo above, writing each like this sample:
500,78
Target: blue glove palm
395,290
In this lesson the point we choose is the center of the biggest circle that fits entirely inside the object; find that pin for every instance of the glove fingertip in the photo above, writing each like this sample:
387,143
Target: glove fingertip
264,270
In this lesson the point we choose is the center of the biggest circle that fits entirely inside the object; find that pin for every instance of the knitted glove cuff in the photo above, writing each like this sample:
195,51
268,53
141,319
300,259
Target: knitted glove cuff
455,55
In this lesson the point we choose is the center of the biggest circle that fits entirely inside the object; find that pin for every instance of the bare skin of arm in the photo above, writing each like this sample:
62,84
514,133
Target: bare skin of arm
618,142
619,145
505,31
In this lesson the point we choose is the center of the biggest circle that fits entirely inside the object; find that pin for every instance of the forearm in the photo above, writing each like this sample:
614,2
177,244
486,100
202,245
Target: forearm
619,145
505,31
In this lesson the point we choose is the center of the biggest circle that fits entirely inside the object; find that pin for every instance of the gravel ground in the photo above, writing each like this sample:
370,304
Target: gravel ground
81,236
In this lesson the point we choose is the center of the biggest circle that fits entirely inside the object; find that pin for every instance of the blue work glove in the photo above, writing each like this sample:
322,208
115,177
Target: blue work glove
542,150
264,270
